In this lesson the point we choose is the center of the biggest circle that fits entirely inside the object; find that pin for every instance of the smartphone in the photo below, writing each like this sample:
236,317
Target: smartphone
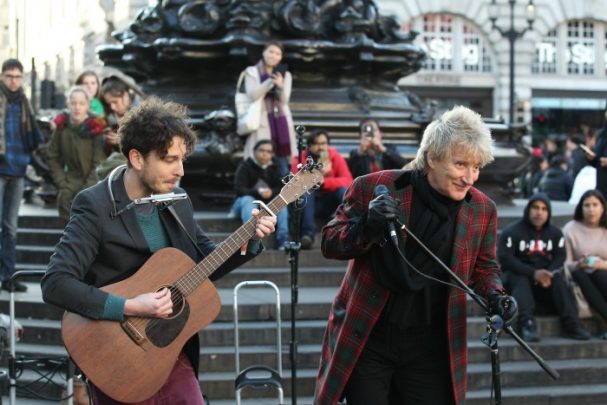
588,151
280,68
368,129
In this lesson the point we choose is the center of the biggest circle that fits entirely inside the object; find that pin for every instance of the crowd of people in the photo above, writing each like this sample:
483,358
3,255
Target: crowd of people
565,172
396,332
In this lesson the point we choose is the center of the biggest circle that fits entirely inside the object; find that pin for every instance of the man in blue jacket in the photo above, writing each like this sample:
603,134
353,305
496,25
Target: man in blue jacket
531,253
19,137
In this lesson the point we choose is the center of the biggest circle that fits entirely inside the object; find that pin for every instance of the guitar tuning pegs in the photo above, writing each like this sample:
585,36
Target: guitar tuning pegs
287,178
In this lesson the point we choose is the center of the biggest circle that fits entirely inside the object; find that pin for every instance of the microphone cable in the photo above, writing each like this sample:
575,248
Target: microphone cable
448,284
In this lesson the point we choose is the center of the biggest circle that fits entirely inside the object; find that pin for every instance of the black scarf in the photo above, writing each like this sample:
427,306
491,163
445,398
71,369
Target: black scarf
432,220
11,96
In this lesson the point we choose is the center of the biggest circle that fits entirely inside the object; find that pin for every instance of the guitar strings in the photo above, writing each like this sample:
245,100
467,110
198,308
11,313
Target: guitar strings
195,276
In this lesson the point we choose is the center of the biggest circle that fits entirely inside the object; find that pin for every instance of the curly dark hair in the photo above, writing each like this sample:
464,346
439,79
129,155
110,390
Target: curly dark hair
578,214
152,125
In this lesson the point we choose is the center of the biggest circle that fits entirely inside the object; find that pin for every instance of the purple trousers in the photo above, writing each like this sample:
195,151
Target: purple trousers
181,388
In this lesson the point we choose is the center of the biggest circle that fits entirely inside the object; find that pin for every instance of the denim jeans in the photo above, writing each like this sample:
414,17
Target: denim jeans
284,164
242,208
11,192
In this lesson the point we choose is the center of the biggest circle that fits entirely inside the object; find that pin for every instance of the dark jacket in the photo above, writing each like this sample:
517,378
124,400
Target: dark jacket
556,184
600,149
249,174
359,164
98,248
523,249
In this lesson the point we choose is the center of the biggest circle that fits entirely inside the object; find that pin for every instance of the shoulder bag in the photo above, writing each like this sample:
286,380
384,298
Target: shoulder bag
583,307
248,112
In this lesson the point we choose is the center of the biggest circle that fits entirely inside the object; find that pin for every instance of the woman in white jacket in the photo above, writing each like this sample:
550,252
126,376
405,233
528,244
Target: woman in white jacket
270,80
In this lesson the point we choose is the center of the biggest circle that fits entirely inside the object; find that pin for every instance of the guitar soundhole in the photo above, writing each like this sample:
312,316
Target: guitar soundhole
161,332
178,300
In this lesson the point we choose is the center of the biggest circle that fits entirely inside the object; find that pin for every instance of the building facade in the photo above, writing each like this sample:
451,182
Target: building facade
59,37
560,65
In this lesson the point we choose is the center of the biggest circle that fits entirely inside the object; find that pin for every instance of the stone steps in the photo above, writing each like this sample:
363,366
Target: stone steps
257,340
582,365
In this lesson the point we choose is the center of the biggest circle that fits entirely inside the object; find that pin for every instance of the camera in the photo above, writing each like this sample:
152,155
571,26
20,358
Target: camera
280,68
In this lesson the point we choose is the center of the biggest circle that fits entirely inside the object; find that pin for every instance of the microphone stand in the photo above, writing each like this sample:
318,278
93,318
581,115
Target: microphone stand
495,324
292,249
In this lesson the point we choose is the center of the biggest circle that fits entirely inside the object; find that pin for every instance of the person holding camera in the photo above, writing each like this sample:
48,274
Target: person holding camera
119,94
271,80
372,155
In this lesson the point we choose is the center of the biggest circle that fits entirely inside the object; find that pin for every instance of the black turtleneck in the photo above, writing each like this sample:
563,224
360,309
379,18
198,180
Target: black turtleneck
432,219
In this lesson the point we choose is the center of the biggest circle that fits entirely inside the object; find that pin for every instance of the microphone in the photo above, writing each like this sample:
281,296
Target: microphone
162,201
158,199
381,189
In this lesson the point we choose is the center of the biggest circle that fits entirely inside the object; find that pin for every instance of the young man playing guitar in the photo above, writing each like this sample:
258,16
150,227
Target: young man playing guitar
114,228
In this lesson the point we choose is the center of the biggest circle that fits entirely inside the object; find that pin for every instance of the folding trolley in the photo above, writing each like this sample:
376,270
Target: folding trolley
258,376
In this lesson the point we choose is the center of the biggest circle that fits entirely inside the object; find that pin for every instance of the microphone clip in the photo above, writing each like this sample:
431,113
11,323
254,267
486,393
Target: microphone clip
162,201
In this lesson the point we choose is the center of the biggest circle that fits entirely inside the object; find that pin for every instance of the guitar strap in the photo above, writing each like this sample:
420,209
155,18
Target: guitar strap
174,213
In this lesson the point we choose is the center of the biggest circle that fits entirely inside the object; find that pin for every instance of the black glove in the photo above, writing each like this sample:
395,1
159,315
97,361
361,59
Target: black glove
503,305
382,209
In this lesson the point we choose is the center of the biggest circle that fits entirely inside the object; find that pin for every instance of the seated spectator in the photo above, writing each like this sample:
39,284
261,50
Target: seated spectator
531,253
75,149
372,155
575,155
556,183
336,178
586,245
531,179
550,146
258,178
90,81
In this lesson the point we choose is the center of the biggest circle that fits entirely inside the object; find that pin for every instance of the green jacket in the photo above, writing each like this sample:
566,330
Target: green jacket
72,159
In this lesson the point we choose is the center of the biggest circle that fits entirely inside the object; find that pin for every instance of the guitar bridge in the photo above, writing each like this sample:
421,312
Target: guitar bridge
132,331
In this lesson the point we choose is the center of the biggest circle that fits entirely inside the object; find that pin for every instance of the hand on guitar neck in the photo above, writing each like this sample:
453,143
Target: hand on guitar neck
159,304
265,224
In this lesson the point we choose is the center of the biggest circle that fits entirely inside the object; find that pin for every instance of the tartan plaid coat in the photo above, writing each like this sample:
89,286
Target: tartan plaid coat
360,299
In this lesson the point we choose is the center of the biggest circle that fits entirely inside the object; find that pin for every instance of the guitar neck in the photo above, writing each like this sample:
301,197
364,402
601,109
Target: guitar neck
223,251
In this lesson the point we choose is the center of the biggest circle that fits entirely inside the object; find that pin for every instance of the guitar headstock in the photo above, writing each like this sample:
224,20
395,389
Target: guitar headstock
306,179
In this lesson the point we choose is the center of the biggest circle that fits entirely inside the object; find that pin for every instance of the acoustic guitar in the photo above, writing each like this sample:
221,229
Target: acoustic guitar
131,360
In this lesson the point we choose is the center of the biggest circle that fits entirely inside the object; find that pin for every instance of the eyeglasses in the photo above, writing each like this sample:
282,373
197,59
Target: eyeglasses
265,150
13,77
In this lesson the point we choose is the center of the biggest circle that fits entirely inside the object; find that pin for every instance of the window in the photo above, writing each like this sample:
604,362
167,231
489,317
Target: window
438,42
580,48
474,53
545,60
573,48
452,44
